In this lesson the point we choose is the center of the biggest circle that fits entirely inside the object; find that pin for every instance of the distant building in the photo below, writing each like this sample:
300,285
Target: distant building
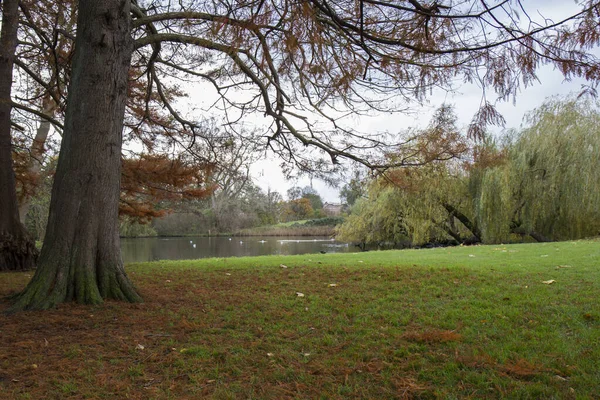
333,209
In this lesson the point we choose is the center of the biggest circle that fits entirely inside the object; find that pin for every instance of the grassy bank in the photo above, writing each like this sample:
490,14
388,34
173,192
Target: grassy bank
288,231
309,227
465,322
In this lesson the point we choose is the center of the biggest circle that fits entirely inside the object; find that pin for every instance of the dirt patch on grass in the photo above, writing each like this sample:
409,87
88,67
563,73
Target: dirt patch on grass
432,336
520,368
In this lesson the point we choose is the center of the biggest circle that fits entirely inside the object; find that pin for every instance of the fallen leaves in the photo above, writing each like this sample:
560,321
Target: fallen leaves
589,317
549,282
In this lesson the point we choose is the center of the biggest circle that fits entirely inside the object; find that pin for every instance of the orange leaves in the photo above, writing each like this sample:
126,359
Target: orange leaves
291,43
486,157
27,178
441,141
298,209
150,179
486,115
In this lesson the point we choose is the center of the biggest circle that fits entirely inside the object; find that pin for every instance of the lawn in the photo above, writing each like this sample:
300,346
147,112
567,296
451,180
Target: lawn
483,322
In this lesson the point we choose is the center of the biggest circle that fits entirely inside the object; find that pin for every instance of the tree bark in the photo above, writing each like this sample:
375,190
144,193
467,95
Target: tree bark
445,226
81,257
17,249
465,221
539,237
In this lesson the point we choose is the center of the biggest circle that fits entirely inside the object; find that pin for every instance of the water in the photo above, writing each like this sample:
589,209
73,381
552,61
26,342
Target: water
186,248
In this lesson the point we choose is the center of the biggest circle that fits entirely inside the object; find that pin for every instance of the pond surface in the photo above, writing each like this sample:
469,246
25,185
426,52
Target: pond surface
187,248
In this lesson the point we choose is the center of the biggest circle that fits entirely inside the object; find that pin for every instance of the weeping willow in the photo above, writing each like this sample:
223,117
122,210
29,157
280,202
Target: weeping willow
542,183
495,205
409,206
550,185
376,219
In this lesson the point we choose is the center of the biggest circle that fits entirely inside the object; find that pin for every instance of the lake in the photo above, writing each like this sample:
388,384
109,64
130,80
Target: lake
186,248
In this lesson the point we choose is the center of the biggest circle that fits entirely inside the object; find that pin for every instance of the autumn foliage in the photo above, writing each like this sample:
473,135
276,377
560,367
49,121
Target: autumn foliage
149,179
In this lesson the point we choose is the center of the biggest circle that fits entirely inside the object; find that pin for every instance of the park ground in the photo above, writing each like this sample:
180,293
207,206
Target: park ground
482,322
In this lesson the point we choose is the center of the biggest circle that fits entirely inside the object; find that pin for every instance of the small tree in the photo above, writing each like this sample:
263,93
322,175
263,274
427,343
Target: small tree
353,189
298,209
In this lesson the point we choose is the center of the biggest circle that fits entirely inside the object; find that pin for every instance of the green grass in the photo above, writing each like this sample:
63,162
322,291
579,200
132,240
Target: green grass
518,258
448,323
307,227
519,336
290,223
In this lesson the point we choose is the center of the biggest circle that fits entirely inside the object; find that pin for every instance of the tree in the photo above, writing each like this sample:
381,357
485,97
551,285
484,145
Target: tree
376,219
423,203
306,192
272,210
33,165
354,189
17,250
316,202
294,193
81,259
298,209
302,64
231,177
149,181
43,72
549,186
226,208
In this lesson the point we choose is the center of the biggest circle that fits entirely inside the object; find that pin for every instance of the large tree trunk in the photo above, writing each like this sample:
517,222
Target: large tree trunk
81,257
17,249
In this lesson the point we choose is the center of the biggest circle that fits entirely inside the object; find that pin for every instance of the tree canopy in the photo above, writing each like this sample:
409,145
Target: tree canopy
305,65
